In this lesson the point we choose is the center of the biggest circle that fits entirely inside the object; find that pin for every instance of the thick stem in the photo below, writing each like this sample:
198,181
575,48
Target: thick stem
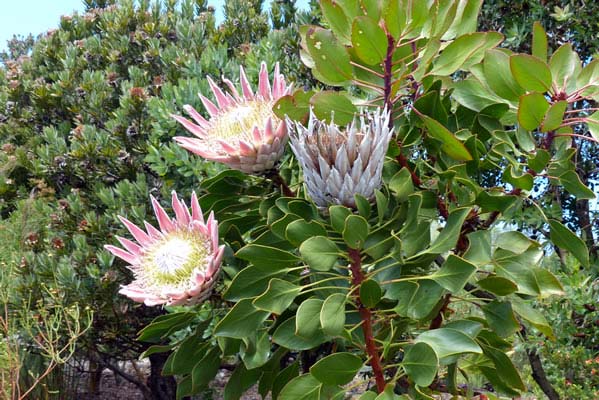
538,374
366,315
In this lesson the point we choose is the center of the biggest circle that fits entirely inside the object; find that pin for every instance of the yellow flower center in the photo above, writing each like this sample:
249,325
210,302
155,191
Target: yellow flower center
169,264
238,122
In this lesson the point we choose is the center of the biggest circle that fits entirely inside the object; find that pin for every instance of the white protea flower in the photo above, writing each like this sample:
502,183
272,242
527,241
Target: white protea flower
179,263
338,164
242,132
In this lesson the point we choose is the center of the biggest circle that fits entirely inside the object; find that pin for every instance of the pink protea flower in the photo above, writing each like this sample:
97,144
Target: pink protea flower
242,131
177,264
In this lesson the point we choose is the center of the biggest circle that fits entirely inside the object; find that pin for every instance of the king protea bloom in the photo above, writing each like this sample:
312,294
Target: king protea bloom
242,131
179,263
340,163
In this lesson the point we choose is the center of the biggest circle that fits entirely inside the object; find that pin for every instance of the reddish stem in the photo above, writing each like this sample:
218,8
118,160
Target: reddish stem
278,180
366,315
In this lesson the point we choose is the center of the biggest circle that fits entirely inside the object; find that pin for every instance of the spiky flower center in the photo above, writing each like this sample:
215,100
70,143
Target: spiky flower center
238,122
169,264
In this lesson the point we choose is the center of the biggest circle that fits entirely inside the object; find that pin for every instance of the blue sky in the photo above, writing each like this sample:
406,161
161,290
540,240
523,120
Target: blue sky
36,16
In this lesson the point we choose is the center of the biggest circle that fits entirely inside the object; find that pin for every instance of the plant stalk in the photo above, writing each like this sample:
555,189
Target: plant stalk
366,315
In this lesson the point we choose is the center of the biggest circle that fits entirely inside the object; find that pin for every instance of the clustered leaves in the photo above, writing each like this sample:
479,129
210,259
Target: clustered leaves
420,284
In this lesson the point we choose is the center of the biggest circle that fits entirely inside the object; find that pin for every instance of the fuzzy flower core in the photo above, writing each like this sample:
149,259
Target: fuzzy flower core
177,264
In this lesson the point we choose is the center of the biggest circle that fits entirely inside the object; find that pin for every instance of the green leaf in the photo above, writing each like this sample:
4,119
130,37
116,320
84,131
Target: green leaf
267,257
566,239
285,336
363,205
255,350
534,317
589,76
333,106
416,300
532,110
338,215
370,293
498,75
283,377
330,57
355,231
515,242
368,40
501,318
523,181
531,73
279,295
164,325
299,231
464,52
454,273
250,282
205,370
448,342
540,160
295,106
303,387
572,183
498,285
452,146
401,184
320,253
421,364
565,67
554,116
243,320
332,315
307,322
505,368
240,381
448,237
337,19
336,369
539,42
593,124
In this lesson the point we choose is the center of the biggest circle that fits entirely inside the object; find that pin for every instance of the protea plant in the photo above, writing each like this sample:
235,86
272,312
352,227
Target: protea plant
176,264
340,163
242,131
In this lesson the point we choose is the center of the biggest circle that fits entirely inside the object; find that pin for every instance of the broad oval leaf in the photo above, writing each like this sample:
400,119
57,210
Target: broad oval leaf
330,57
454,273
267,257
451,145
285,336
532,110
333,106
279,295
421,363
448,342
531,73
320,253
370,293
368,40
355,231
332,315
303,387
465,51
336,369
241,321
566,239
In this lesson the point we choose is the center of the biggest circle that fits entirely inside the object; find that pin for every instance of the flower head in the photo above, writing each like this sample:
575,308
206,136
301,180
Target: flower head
242,131
338,164
175,265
